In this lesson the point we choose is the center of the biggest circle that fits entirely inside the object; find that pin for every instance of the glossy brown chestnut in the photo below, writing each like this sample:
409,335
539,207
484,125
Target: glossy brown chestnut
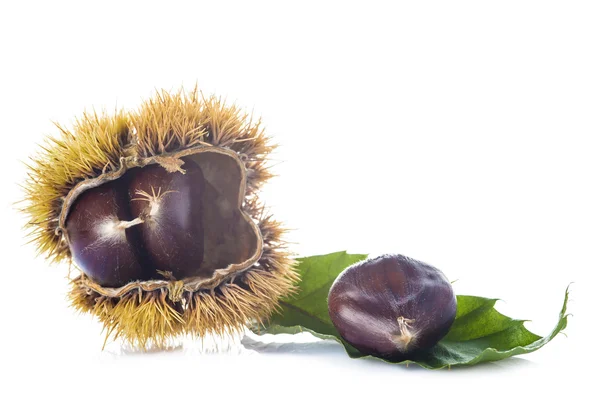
392,306
169,203
146,224
101,241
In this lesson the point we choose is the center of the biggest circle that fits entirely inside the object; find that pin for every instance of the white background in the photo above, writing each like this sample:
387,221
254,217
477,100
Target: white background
464,134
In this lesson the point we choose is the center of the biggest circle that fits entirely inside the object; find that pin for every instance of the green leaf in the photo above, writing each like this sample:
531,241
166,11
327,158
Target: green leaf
479,333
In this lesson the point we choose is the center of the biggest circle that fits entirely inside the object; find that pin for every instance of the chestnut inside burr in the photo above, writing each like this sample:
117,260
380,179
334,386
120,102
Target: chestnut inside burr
156,223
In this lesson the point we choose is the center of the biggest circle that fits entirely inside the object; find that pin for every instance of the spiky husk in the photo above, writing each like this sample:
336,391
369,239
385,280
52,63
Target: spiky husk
164,124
